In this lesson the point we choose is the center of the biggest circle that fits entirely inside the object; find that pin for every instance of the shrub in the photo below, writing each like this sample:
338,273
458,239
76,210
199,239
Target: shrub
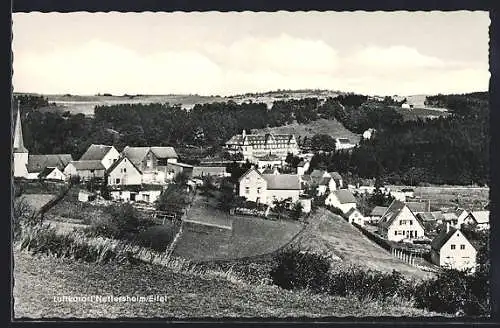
23,216
123,222
300,270
454,291
158,237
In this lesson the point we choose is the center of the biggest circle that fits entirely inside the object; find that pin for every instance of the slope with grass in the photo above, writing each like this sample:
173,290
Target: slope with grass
38,279
333,128
329,234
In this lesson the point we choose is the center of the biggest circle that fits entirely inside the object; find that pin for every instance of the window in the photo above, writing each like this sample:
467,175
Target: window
411,222
247,190
258,190
117,181
462,246
401,222
395,233
452,246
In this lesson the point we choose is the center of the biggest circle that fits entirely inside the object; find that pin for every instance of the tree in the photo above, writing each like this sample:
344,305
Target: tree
173,199
296,211
281,206
322,142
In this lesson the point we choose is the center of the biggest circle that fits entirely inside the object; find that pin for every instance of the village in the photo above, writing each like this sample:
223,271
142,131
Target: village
269,186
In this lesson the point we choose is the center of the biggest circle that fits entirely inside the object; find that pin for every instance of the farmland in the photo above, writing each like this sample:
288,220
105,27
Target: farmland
187,295
331,235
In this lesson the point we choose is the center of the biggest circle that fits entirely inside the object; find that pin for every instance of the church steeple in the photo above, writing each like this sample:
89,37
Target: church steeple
18,133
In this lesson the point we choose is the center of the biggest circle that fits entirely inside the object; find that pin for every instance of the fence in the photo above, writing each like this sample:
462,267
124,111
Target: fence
415,256
45,208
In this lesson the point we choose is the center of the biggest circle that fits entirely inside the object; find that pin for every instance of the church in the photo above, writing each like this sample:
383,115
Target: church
49,167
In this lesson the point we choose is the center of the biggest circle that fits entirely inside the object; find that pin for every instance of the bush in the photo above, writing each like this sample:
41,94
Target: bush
300,270
369,284
123,222
454,291
23,216
158,237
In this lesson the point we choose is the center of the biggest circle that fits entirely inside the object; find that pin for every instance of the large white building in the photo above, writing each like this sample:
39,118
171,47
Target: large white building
400,223
266,188
257,146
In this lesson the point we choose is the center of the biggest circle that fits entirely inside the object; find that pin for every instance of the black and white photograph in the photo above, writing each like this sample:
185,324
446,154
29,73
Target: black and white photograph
250,165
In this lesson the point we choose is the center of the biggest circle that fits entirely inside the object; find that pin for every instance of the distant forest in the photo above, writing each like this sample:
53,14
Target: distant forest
451,150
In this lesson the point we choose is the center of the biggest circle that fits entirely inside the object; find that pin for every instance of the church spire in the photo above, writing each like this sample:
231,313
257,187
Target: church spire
18,133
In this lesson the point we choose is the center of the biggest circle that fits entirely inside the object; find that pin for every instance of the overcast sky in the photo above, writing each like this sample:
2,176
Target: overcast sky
402,53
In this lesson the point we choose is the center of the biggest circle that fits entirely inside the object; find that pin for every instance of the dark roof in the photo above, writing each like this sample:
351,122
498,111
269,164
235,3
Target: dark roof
344,196
378,210
46,171
135,154
301,164
164,152
431,216
417,206
442,237
36,163
282,181
317,173
95,152
391,213
88,165
118,161
343,140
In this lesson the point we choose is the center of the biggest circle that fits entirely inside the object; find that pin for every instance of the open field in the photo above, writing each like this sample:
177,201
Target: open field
414,113
322,126
472,198
38,279
328,233
86,104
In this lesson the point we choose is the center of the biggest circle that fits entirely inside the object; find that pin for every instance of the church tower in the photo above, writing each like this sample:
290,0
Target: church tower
18,149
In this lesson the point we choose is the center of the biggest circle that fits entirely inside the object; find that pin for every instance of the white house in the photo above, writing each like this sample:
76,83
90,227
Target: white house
355,216
265,188
123,172
478,219
107,155
326,184
342,199
153,162
38,165
52,173
399,195
86,170
134,194
400,223
405,106
453,250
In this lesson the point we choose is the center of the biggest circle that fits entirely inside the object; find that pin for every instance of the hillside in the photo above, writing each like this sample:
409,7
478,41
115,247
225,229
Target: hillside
186,295
330,234
322,126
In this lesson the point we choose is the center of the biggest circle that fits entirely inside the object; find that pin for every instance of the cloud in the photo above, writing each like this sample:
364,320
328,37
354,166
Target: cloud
246,65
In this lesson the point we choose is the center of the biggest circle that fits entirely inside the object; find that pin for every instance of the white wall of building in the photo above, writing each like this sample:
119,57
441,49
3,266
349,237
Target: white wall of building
405,226
110,157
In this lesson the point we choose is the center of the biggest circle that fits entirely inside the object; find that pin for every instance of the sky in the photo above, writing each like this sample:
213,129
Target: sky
212,53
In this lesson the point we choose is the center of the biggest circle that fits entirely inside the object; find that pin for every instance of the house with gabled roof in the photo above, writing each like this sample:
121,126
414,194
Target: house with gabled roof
343,144
266,188
355,216
478,219
153,162
40,163
52,173
105,154
400,223
325,185
342,199
123,172
85,169
451,249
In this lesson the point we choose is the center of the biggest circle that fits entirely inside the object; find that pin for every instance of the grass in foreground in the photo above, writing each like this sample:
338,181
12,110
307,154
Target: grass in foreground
37,279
